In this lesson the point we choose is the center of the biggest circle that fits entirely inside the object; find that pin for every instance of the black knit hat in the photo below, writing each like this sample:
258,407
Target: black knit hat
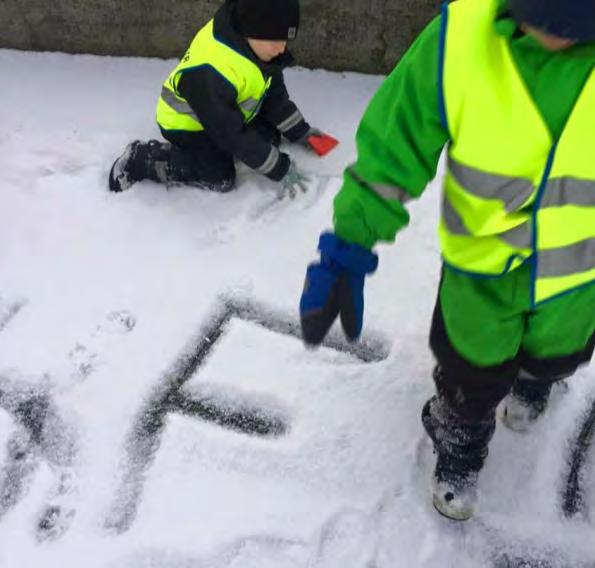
268,19
572,19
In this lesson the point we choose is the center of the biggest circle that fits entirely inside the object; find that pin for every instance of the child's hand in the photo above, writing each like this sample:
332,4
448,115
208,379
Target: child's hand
294,180
303,141
334,287
318,142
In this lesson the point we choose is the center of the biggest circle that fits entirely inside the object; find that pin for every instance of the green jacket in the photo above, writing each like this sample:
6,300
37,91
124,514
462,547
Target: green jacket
401,135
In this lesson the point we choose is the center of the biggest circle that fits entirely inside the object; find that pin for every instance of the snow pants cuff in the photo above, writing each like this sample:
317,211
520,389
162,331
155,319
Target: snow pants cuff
557,368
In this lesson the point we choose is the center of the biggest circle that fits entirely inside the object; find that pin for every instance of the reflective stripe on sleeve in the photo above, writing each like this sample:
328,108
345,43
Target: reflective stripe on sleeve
291,121
388,192
249,105
270,162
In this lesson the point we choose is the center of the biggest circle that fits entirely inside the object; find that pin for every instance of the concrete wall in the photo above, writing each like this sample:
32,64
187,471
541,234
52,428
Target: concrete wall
355,35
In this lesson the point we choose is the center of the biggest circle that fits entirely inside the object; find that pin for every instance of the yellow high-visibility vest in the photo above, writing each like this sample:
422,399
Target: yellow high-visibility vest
512,193
174,112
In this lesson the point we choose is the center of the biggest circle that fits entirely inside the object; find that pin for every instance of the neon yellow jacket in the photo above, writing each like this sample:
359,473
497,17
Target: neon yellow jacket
508,196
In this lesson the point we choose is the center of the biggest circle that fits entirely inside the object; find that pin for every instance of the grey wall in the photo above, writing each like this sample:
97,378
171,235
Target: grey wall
355,35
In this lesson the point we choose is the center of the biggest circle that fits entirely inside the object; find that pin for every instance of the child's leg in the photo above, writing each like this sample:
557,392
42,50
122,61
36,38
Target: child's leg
189,158
559,337
196,159
461,418
476,334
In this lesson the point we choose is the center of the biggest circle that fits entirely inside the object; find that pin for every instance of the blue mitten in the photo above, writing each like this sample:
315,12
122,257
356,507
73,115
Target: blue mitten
335,286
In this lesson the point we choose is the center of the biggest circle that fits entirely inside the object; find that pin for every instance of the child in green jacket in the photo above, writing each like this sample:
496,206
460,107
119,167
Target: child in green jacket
508,88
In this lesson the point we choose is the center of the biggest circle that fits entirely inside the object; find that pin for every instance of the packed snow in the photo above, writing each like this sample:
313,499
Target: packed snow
104,298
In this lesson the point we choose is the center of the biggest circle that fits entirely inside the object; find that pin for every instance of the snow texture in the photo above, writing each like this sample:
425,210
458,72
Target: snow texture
145,423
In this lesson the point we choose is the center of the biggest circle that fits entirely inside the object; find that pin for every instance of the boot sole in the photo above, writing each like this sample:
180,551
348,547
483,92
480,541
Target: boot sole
449,514
113,187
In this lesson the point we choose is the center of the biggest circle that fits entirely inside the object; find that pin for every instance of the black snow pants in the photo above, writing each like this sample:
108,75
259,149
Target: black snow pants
193,158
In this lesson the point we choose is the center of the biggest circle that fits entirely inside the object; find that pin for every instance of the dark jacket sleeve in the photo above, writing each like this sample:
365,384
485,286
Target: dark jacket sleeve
213,99
280,111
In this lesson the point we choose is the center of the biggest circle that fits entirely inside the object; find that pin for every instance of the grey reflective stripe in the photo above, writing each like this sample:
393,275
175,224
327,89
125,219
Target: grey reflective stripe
569,191
388,192
452,219
249,105
565,261
178,105
291,121
514,192
270,162
519,237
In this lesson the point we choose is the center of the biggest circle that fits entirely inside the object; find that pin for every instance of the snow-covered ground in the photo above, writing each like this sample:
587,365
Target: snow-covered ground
105,300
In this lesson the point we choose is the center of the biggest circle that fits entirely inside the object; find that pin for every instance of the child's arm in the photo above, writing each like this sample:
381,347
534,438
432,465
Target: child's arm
213,99
399,142
280,111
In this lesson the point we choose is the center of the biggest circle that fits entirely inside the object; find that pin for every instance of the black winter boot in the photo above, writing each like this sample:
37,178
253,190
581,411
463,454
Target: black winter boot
139,161
454,488
461,446
526,403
